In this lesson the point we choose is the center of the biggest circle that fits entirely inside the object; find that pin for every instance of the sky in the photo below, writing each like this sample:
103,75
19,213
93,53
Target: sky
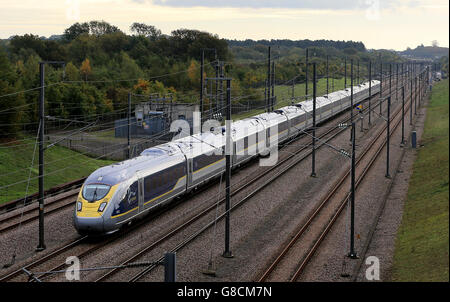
387,24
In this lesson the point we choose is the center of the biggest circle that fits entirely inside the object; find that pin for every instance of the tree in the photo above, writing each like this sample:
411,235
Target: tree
75,30
98,28
85,68
193,72
72,72
10,106
141,29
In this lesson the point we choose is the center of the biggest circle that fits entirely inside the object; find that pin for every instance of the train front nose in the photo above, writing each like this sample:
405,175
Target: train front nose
89,225
87,218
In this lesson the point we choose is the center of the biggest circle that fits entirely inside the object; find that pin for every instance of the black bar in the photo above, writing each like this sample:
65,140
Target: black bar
415,95
202,63
227,253
411,101
327,77
390,79
268,83
170,264
129,125
403,116
41,245
387,136
217,90
272,99
381,85
352,253
396,83
351,95
313,166
265,92
403,74
306,75
345,73
420,88
370,90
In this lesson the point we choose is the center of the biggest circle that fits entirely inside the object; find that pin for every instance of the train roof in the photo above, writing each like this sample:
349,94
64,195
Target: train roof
201,143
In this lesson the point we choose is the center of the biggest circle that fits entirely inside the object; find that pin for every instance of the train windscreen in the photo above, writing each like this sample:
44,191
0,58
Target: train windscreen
94,192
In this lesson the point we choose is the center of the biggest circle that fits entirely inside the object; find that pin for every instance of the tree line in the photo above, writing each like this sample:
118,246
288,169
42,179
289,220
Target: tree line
103,64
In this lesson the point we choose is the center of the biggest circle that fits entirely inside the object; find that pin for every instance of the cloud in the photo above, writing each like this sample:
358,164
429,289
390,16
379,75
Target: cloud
293,4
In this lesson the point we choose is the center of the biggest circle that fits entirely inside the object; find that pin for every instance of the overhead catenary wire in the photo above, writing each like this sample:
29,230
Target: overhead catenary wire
253,94
149,138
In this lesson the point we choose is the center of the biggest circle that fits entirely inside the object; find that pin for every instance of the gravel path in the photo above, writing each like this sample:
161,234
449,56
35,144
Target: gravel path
382,243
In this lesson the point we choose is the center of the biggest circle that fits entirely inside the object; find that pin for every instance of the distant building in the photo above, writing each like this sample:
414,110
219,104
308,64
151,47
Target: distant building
154,117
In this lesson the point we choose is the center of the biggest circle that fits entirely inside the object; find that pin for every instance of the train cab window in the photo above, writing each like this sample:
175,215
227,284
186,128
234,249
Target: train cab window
95,192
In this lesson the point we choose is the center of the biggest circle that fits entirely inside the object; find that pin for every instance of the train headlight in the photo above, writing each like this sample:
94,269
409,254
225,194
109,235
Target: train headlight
79,206
102,206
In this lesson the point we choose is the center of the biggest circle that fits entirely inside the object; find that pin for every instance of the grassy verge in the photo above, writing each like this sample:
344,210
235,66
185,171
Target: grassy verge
61,165
422,245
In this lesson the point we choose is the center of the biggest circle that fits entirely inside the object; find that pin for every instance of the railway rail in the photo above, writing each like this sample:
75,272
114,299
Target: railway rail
282,167
76,243
18,203
30,214
338,196
54,197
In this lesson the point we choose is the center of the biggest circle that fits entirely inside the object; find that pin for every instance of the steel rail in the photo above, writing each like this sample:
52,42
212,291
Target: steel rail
195,235
316,212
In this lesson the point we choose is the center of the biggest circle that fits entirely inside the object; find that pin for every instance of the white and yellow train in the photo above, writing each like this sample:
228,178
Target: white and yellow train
115,195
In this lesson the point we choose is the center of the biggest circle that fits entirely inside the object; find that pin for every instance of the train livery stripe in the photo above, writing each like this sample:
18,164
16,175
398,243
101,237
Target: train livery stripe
129,211
158,197
153,199
209,165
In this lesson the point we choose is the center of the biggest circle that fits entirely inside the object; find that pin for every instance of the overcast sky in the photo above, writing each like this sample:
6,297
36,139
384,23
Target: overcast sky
391,24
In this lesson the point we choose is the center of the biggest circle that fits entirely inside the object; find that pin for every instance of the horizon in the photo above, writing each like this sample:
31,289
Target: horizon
376,23
129,33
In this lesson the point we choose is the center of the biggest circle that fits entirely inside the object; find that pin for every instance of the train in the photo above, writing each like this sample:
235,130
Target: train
116,195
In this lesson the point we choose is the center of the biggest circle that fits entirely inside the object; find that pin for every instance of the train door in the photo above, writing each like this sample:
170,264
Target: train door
190,171
141,190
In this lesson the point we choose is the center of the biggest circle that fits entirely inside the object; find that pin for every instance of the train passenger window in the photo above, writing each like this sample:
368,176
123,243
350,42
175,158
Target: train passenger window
147,184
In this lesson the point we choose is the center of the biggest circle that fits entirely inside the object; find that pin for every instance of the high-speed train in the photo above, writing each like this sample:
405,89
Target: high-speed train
115,195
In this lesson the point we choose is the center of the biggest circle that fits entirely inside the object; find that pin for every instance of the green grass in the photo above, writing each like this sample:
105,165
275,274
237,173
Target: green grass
284,94
61,164
421,249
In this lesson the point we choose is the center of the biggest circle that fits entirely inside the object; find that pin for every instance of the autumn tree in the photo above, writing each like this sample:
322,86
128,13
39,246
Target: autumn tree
85,68
194,72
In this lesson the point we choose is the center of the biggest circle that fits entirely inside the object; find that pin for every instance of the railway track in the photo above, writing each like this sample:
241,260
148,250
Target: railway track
282,167
26,215
30,199
76,243
329,209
